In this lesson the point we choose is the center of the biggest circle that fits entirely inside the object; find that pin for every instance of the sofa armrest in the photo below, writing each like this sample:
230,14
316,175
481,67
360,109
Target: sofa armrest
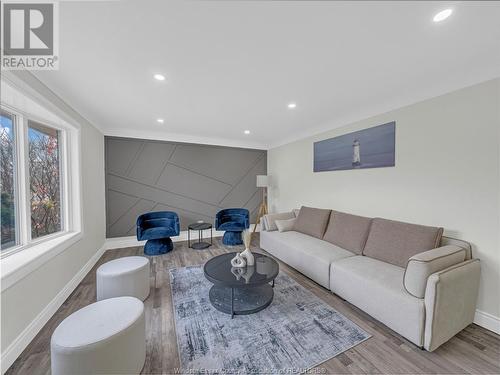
422,265
269,220
450,302
457,242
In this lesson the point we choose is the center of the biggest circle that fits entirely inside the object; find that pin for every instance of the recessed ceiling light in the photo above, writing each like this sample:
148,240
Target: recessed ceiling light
160,120
247,132
292,105
159,77
444,14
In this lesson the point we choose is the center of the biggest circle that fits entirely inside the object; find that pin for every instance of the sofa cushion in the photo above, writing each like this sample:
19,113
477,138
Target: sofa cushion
285,225
270,219
395,242
312,221
376,287
348,231
308,255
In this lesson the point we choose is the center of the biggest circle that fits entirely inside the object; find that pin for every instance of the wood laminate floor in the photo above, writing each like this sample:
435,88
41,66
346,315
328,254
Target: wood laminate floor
474,350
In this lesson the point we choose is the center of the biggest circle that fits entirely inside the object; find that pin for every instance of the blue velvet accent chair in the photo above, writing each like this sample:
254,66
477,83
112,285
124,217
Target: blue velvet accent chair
157,227
233,221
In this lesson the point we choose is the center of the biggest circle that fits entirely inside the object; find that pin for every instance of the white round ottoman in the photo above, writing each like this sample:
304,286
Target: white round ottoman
106,337
127,276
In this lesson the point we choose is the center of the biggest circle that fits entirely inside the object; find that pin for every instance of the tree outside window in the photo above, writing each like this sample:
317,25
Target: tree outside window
45,179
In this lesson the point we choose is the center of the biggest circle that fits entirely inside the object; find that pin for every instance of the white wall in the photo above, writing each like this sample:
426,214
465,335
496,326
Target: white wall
446,174
26,304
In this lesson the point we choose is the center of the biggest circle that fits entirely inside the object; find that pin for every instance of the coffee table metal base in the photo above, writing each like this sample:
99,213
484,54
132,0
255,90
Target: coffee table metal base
241,301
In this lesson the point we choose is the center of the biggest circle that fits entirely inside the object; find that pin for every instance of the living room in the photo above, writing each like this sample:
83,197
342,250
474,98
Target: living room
250,187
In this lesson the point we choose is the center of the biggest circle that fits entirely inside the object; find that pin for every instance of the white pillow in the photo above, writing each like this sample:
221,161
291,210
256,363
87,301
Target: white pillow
271,219
285,225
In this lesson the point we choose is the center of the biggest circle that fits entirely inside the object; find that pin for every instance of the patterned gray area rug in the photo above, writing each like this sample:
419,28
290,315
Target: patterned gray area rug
296,332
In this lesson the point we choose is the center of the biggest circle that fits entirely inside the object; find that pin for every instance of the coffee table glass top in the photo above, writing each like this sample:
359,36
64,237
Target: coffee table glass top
219,271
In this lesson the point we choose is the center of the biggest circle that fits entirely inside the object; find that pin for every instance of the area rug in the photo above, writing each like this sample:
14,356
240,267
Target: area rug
296,332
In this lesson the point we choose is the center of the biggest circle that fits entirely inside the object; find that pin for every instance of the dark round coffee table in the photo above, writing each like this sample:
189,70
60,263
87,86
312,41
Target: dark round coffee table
241,291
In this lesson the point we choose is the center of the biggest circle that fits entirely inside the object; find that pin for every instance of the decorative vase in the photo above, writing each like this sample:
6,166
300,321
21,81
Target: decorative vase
248,256
238,261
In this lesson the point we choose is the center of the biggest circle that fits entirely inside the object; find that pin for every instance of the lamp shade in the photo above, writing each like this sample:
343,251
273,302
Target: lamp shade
262,180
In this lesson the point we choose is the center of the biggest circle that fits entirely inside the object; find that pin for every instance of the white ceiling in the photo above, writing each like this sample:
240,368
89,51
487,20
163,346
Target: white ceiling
235,65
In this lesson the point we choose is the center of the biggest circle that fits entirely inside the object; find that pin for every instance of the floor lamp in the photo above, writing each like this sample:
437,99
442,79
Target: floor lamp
262,182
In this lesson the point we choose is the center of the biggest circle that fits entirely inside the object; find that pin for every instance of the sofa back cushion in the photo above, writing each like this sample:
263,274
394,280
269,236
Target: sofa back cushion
348,231
312,221
395,242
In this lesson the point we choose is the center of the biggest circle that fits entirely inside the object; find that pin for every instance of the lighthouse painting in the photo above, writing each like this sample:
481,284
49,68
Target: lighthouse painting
369,148
356,158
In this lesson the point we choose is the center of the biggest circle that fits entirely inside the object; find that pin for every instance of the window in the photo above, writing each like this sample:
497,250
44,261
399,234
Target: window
7,175
35,205
44,177
40,177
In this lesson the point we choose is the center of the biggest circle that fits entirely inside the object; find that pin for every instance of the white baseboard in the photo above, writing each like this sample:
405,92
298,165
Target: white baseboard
131,241
488,321
122,242
10,354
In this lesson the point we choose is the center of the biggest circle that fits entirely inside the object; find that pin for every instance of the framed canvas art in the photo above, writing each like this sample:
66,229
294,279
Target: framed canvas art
368,148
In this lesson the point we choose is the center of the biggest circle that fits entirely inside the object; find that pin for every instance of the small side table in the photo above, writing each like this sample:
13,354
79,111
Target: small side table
200,227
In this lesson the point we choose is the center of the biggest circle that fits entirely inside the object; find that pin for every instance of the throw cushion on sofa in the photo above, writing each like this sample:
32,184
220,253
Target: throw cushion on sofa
270,219
312,221
285,225
348,231
395,242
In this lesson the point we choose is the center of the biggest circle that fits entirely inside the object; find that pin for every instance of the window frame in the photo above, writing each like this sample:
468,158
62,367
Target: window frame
69,196
15,176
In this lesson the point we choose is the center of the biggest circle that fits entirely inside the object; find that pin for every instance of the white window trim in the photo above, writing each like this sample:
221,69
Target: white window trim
30,254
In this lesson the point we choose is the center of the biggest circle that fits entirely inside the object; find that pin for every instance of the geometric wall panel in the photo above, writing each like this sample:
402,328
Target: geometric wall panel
193,180
192,185
120,154
121,203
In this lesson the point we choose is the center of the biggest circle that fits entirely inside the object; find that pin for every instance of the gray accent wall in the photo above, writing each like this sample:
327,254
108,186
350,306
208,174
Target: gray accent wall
196,181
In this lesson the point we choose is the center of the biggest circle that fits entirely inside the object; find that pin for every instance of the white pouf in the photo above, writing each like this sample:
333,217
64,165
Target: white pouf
127,276
106,337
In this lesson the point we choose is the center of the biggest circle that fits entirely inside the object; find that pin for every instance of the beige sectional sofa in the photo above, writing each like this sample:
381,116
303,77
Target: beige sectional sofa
410,277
